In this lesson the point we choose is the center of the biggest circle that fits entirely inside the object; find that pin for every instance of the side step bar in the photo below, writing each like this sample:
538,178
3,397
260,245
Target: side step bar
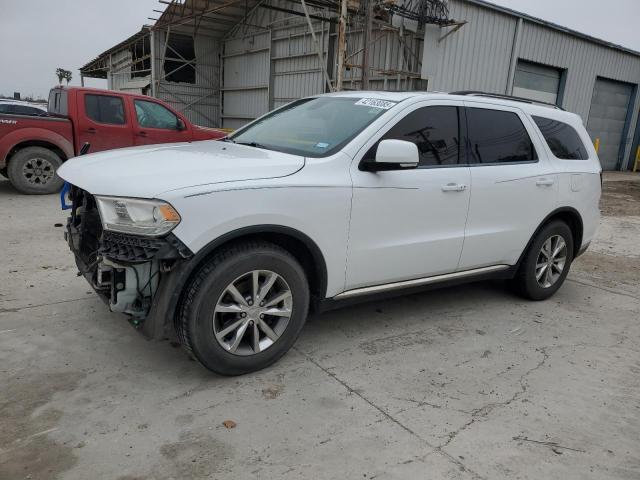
356,292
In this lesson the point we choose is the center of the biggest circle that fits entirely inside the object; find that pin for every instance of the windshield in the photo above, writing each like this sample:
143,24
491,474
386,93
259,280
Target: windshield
313,127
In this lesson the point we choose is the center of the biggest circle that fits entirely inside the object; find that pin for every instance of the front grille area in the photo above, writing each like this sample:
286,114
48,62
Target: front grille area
89,242
133,249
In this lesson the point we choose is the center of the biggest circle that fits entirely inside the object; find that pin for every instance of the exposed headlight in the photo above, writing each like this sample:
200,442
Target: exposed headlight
140,217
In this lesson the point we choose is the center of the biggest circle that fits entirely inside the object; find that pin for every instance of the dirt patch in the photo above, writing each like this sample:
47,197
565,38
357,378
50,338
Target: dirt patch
194,456
611,270
620,199
26,451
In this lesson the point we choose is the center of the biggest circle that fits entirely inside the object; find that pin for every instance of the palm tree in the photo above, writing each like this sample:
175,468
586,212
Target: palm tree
63,74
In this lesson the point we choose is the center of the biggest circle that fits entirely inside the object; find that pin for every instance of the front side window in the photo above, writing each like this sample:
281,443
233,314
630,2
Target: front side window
104,109
562,139
435,132
313,127
496,136
154,115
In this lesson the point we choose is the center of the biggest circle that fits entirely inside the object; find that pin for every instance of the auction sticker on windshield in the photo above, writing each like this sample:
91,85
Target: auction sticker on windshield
375,102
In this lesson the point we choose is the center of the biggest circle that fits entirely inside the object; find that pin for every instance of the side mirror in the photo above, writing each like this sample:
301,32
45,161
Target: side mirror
180,126
393,155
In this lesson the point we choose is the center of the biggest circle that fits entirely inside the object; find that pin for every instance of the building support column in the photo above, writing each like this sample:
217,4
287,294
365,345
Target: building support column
152,42
515,49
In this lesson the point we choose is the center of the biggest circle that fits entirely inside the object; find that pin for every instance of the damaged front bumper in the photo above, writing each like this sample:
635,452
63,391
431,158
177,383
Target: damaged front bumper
128,272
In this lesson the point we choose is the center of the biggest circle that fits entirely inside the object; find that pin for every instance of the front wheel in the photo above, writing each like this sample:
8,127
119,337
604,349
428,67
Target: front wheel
244,309
546,263
32,170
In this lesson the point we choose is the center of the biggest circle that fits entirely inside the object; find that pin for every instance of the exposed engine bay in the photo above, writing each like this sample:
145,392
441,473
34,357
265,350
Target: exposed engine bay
125,270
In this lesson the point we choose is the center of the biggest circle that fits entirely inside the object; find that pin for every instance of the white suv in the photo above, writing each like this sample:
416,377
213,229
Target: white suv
229,244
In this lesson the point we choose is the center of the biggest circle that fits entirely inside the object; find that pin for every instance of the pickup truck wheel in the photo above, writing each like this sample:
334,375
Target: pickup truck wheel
244,309
32,170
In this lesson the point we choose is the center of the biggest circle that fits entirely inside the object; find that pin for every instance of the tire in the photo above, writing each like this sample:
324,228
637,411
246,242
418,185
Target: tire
32,170
531,280
200,319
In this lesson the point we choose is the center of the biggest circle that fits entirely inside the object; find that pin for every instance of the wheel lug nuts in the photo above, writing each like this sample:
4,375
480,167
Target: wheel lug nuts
243,314
261,316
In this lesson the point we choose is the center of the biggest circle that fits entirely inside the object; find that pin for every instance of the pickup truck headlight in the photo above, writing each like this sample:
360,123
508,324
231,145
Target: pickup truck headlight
137,216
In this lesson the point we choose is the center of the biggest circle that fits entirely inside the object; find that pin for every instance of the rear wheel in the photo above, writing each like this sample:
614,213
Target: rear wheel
32,170
244,309
546,263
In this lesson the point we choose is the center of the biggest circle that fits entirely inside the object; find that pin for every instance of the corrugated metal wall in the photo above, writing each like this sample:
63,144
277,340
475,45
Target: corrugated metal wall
478,57
200,101
273,60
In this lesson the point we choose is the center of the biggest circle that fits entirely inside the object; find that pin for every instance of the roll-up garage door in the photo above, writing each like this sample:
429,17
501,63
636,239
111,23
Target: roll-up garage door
607,119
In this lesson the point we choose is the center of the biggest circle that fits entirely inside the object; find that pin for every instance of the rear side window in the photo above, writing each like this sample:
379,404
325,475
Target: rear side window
562,139
435,132
104,109
496,136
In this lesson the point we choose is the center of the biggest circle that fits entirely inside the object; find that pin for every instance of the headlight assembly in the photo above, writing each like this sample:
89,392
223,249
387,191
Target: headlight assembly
137,216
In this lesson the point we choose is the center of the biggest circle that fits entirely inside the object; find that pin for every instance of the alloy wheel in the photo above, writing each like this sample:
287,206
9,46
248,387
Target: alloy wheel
551,261
252,312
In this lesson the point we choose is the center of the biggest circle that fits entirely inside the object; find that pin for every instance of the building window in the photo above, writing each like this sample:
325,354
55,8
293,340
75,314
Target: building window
180,59
141,58
537,82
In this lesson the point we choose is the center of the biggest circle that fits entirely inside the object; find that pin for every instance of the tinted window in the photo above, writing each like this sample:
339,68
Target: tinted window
104,109
562,139
4,108
498,137
26,110
435,132
154,115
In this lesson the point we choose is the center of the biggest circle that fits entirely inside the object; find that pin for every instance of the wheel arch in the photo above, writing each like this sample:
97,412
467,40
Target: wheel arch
300,245
571,217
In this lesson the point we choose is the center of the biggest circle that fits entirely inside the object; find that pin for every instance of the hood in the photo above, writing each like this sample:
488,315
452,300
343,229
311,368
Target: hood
148,171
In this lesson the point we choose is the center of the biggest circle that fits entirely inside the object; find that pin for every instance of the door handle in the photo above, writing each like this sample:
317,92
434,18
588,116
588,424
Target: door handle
142,134
454,187
91,130
544,182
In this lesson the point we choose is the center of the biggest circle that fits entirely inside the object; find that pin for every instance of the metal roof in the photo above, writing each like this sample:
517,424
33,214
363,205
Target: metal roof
96,67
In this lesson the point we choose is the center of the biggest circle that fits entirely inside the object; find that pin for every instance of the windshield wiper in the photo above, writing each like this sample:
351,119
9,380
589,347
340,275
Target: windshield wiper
227,139
254,144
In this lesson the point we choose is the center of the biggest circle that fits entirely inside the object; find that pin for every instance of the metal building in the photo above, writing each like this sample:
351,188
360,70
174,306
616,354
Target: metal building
226,62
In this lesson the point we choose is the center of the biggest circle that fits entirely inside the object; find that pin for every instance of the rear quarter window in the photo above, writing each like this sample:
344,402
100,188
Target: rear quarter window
562,139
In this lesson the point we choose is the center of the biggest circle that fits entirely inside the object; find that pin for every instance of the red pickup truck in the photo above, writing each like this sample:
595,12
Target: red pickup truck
32,148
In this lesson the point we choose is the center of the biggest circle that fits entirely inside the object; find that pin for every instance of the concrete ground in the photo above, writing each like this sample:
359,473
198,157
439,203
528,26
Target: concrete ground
461,383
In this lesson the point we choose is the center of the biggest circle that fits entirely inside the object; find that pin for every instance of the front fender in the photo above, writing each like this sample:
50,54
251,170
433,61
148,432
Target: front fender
16,137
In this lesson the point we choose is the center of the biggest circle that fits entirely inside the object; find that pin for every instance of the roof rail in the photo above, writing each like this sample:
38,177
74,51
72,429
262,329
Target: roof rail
475,93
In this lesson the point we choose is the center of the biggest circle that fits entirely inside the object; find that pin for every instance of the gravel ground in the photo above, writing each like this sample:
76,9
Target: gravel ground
461,383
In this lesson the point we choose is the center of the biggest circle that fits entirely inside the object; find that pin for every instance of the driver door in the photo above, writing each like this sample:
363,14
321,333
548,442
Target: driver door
157,124
409,224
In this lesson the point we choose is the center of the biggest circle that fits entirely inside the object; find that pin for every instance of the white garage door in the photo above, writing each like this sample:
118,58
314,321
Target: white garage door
607,119
537,82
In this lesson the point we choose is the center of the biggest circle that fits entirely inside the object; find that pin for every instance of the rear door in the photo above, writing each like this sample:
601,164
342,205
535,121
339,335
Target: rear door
157,124
513,185
103,122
